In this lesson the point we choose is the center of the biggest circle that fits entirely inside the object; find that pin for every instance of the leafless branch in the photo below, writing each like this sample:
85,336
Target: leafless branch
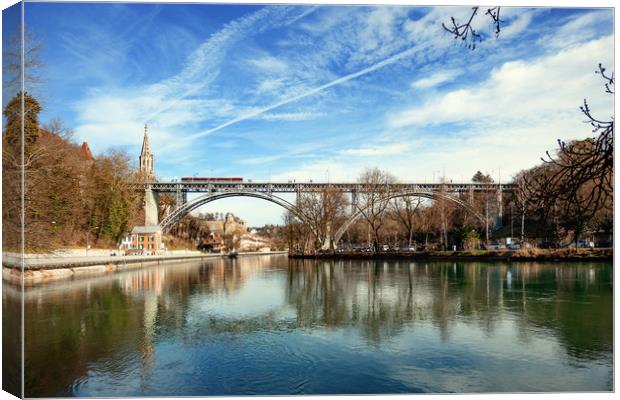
494,14
466,31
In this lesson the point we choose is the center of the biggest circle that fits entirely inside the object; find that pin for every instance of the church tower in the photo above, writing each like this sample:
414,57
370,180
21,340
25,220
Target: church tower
147,160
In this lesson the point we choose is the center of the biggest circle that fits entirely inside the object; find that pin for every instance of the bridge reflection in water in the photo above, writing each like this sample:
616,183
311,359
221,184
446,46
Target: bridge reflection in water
276,326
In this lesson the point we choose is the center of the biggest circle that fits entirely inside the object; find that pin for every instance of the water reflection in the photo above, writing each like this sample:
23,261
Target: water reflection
380,297
174,329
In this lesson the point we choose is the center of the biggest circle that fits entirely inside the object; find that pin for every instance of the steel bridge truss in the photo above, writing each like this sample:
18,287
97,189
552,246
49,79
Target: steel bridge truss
270,191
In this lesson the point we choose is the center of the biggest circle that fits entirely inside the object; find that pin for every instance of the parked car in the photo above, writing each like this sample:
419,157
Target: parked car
585,244
514,246
385,247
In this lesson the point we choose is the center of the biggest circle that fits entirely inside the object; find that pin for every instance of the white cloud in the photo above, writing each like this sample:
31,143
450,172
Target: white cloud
519,91
228,144
578,30
379,150
321,171
436,79
259,111
380,27
511,27
296,116
269,64
259,160
270,85
176,104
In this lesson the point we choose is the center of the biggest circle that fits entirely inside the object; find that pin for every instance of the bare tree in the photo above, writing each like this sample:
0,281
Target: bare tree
404,210
166,203
298,234
12,61
323,211
593,162
374,199
428,223
565,203
576,185
57,126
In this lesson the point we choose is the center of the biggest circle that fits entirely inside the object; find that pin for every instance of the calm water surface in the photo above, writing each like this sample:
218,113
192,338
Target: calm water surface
270,325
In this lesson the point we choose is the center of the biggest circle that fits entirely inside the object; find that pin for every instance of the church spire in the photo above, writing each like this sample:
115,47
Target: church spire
146,146
147,160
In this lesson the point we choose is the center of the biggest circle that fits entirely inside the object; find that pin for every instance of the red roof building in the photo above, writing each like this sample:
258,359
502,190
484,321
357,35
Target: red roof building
86,151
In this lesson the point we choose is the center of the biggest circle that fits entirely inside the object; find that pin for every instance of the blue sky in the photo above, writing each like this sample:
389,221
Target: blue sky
320,92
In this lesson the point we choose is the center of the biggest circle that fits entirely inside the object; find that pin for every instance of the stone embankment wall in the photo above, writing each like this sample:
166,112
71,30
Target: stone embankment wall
43,269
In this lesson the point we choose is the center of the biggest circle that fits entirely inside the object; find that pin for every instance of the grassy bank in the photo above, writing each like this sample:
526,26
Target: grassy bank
490,255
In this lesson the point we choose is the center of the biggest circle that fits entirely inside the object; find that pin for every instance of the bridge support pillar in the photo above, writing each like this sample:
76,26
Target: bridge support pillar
353,201
150,207
181,197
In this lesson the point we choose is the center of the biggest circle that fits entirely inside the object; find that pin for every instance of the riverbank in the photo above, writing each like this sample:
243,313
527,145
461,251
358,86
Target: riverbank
41,268
605,254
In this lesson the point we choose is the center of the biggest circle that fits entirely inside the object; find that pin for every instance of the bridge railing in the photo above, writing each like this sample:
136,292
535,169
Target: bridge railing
296,187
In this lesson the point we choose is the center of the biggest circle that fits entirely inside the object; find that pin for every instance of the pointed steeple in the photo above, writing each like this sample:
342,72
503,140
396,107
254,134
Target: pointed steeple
147,160
146,146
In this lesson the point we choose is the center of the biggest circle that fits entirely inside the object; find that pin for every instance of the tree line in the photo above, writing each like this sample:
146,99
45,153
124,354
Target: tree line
70,197
385,216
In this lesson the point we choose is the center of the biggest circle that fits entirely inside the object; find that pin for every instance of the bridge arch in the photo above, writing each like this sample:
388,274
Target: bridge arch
186,208
428,195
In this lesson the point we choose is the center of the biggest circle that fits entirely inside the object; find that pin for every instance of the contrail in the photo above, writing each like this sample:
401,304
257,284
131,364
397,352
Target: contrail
212,51
346,78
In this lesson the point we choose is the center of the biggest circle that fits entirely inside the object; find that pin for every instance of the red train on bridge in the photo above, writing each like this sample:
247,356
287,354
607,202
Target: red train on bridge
211,179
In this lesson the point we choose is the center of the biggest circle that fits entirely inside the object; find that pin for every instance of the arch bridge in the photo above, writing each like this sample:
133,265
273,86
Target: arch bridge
461,194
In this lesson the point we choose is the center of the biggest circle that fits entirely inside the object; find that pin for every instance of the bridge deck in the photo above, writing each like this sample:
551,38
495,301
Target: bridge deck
296,187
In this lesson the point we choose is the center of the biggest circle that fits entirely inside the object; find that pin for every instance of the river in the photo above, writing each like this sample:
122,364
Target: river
270,325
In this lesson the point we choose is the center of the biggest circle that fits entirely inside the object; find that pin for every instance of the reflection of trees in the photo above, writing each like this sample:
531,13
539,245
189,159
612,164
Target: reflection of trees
11,341
377,296
578,305
78,327
380,297
72,324
102,321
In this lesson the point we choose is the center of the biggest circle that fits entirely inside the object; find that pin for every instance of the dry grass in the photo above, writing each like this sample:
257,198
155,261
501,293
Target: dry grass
562,253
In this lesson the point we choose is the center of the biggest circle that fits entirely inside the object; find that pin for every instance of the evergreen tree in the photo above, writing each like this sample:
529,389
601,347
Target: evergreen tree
13,114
